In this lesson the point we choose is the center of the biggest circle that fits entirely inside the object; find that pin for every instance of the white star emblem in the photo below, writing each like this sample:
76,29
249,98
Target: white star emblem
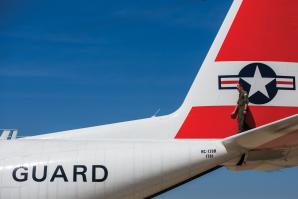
258,83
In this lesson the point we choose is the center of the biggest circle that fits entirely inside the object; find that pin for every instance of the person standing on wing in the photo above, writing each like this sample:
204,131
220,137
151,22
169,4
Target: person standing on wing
241,108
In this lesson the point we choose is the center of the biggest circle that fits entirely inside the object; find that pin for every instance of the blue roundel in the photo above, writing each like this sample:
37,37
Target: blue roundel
259,80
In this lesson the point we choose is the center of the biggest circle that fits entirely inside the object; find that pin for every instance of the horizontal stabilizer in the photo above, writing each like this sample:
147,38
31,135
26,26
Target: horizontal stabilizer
14,134
9,134
276,135
5,134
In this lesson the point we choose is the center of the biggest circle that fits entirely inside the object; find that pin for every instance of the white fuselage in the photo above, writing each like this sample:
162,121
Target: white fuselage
34,169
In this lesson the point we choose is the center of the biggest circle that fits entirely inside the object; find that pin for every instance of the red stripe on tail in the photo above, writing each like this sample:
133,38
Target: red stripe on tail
263,30
285,83
214,122
229,82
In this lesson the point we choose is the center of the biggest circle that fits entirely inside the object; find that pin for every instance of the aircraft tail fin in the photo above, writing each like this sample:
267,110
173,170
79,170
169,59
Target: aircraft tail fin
256,47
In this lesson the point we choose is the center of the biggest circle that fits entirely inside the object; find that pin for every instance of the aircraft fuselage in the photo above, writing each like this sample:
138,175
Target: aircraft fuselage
36,169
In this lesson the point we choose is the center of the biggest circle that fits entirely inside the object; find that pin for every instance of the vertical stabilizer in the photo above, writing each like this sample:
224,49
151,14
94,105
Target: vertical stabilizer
256,46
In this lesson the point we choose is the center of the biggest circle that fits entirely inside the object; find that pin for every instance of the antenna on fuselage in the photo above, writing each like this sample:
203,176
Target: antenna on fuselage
155,114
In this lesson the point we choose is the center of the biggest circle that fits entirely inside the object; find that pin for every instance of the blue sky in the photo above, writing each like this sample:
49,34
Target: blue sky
71,64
